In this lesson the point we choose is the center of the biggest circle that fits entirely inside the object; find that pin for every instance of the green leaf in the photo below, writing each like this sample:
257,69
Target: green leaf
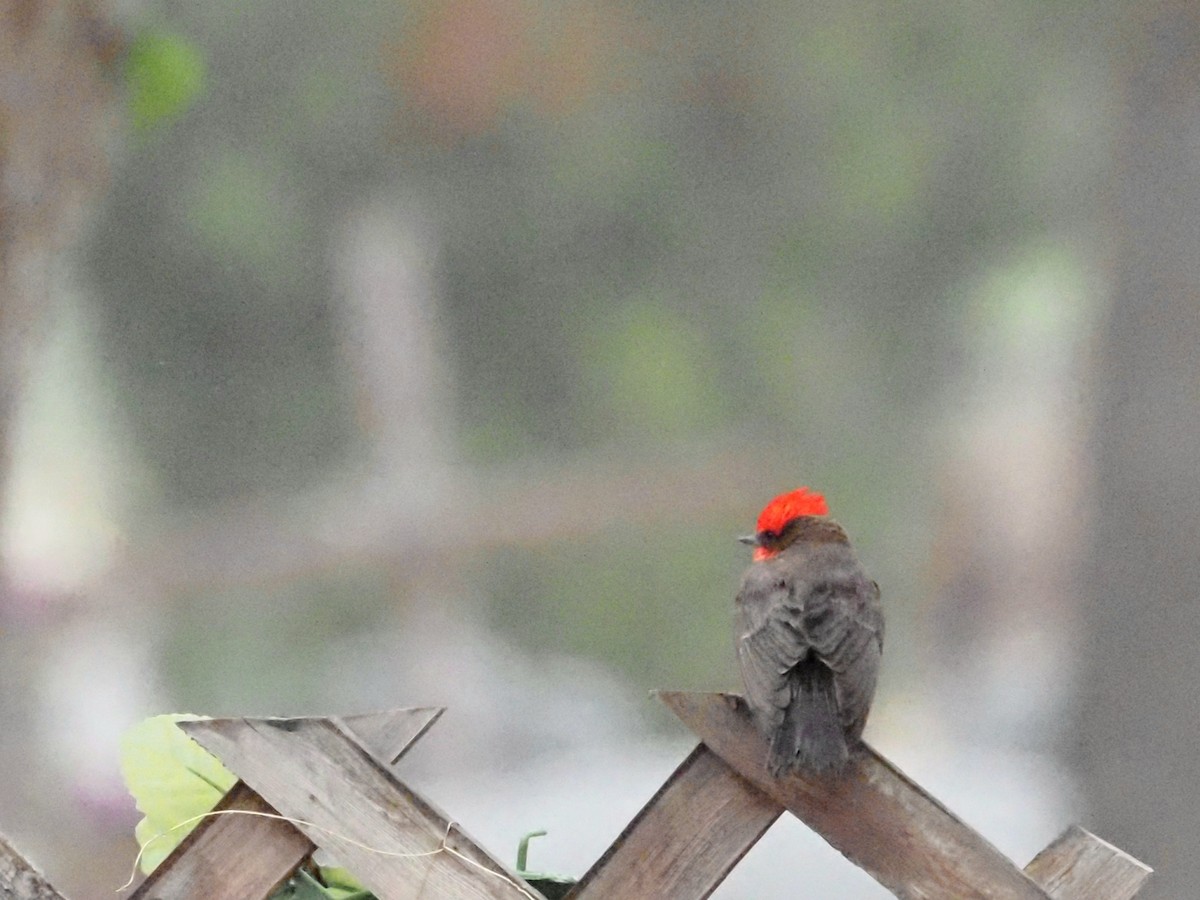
300,889
339,885
164,73
342,885
172,779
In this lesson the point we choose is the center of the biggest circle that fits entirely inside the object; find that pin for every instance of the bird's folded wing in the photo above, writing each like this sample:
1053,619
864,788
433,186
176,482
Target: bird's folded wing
844,626
769,644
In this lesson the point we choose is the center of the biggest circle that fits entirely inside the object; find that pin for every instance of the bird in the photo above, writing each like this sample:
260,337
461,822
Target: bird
808,635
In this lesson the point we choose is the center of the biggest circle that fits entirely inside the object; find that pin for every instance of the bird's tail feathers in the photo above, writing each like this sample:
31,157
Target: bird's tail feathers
810,738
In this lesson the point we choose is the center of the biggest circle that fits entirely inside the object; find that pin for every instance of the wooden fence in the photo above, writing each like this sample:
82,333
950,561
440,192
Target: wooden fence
332,778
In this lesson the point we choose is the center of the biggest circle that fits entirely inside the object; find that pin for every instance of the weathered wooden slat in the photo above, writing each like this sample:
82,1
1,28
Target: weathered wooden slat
230,857
687,837
1077,865
874,815
19,880
388,735
389,836
245,857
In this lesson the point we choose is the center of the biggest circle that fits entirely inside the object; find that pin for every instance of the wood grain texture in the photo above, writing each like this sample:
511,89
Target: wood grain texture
687,837
355,808
230,857
1077,865
19,880
874,815
248,857
389,734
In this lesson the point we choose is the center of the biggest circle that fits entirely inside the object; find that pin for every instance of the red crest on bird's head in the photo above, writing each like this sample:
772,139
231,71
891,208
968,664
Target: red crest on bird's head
792,505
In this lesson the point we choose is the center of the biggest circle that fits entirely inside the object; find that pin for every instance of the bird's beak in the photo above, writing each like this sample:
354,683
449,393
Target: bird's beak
749,539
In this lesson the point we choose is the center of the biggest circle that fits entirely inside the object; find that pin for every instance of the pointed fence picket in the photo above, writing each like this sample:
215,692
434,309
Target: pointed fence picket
329,783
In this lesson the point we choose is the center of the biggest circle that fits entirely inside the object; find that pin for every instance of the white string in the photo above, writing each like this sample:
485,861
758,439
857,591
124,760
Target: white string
442,848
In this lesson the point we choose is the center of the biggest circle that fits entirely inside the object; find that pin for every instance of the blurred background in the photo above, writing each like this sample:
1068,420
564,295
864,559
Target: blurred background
435,352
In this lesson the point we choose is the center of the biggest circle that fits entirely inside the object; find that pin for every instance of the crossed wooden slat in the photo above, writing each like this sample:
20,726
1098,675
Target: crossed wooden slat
333,778
19,880
876,817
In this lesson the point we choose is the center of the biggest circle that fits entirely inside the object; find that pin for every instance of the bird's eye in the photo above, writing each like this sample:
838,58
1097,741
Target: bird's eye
767,536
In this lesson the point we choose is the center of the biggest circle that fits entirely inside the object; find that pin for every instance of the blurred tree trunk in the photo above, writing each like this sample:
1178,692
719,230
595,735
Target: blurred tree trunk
55,102
1139,725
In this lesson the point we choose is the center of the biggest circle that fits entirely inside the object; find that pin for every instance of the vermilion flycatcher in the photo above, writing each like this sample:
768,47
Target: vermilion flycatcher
809,632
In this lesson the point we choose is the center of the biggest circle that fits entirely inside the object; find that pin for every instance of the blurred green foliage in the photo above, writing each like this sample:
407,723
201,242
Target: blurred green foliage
648,371
654,223
164,74
652,601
